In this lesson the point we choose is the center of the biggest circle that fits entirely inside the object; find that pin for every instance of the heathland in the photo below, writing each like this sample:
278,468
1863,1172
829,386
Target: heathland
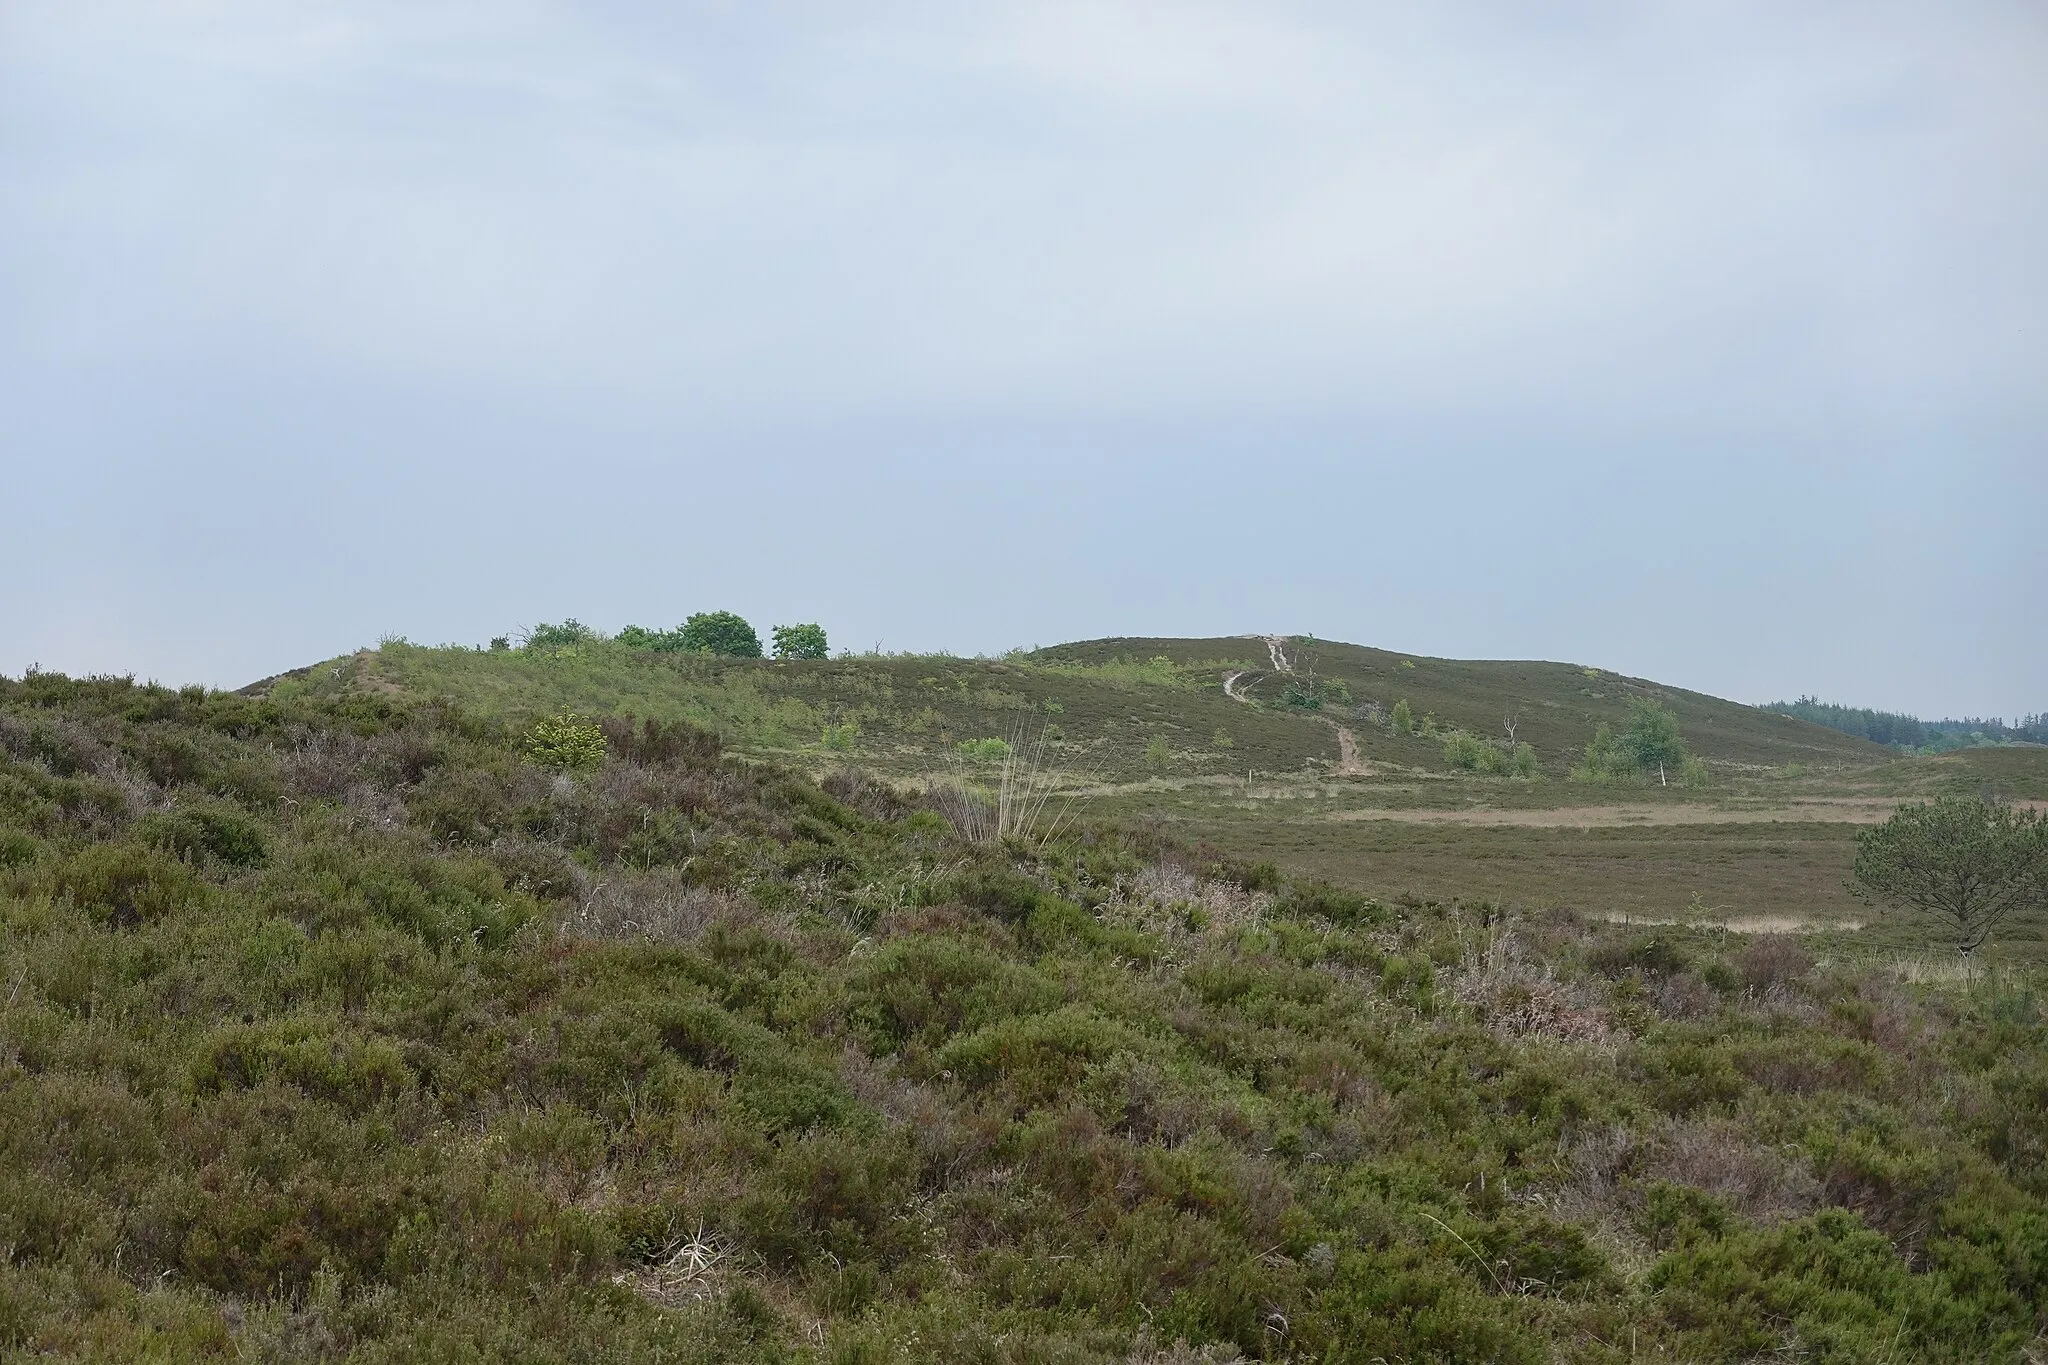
1137,1000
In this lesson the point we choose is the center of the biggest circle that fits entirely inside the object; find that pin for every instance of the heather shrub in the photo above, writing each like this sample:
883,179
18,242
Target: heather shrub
691,1059
1770,960
203,830
124,885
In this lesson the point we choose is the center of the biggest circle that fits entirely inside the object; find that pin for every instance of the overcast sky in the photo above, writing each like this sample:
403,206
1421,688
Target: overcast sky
1701,342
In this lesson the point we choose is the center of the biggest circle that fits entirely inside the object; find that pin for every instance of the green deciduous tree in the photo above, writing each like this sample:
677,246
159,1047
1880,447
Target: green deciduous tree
1966,862
544,637
800,642
640,637
721,632
1651,740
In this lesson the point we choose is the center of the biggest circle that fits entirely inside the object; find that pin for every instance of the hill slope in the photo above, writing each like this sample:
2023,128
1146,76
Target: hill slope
1556,706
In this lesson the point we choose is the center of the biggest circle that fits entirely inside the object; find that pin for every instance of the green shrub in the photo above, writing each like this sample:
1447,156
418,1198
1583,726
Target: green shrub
200,831
1039,1057
123,885
17,848
989,750
1468,752
345,1069
1403,717
1301,695
927,989
998,891
565,743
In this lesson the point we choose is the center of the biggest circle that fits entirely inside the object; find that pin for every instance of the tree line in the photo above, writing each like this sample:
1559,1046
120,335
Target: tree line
707,632
1900,731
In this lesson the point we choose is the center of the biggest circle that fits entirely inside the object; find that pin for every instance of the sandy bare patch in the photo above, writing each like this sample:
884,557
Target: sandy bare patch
1348,762
1741,924
1846,810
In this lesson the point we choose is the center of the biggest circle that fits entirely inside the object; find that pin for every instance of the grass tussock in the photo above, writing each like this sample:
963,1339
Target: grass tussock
353,1027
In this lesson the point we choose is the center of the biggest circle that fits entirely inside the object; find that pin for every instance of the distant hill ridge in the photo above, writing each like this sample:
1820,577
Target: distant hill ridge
1120,707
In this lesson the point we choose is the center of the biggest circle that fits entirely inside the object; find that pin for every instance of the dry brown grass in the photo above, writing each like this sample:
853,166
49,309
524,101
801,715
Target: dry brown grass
1186,911
1518,996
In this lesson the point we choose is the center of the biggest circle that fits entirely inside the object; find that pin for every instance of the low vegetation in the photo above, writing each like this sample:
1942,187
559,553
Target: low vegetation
1473,754
352,1024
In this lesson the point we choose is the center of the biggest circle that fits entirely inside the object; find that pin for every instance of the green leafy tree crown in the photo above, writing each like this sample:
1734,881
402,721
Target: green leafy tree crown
1651,738
545,637
721,632
800,642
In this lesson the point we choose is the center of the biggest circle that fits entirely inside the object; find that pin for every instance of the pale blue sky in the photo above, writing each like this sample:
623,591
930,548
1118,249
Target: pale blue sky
1703,342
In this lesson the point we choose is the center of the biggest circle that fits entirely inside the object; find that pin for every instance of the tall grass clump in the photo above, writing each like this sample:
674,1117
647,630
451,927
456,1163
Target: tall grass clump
1014,804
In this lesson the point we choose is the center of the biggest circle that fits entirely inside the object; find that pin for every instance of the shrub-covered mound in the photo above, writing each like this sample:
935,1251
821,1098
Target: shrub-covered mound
365,1030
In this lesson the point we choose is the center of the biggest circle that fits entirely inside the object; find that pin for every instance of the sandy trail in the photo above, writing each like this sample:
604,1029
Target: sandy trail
1348,762
1740,924
1846,810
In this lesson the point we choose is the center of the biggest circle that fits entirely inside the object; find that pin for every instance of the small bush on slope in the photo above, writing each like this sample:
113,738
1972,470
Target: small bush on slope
342,1031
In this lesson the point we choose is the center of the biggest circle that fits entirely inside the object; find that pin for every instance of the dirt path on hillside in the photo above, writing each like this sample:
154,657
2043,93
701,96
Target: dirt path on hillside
1349,764
1838,810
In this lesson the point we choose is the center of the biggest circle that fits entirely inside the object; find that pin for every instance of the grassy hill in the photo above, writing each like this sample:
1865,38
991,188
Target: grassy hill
338,1025
1109,701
